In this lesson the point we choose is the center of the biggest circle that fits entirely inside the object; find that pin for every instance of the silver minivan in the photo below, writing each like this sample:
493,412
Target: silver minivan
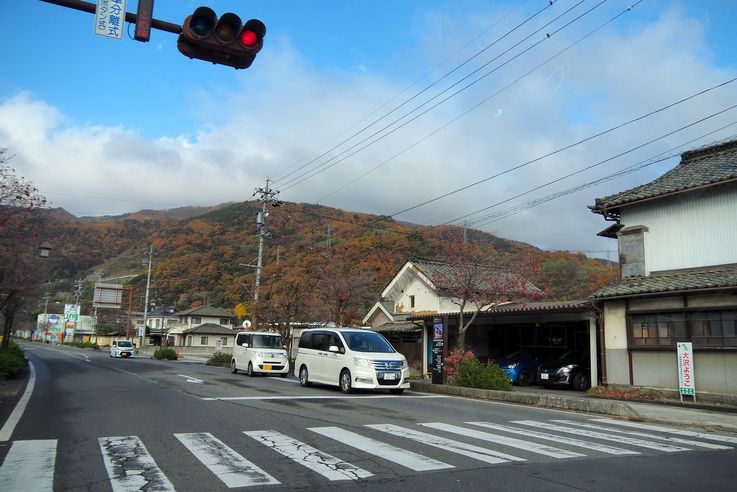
259,352
350,358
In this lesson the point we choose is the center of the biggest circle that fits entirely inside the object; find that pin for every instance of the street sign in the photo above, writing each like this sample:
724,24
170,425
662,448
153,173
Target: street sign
686,375
110,18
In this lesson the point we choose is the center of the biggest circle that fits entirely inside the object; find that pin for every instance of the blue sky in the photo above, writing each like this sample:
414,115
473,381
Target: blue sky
106,127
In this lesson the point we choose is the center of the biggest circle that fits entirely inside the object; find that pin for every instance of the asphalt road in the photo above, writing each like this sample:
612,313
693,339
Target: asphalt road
96,423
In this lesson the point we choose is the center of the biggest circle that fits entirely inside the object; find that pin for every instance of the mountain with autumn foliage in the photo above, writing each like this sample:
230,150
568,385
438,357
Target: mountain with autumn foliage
320,263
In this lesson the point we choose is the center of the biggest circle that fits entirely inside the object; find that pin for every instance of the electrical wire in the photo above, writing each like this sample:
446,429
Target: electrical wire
494,24
326,165
476,106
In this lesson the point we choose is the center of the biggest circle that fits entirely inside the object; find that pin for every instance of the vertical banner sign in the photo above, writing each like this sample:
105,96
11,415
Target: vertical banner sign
686,375
110,18
437,351
71,317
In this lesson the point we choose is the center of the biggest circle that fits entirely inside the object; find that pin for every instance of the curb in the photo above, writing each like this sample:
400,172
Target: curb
598,406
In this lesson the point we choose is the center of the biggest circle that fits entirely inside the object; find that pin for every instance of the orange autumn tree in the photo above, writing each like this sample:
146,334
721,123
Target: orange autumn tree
479,279
21,221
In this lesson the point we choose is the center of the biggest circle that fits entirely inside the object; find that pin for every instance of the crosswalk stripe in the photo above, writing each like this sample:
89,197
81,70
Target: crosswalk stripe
403,457
230,467
669,430
678,440
29,465
475,452
326,465
602,448
129,465
506,441
601,435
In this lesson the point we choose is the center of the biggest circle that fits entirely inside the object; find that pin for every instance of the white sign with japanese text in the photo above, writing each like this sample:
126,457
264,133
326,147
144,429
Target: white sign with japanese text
110,18
686,375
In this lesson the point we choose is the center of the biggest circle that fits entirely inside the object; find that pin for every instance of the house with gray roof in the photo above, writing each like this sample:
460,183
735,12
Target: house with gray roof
203,326
677,239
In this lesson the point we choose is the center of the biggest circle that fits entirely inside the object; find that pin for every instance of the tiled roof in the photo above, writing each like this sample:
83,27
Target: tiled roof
673,282
581,304
398,327
206,311
209,329
439,273
699,167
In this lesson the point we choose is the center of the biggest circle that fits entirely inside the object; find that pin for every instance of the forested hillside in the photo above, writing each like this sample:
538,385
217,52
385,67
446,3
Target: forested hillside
319,264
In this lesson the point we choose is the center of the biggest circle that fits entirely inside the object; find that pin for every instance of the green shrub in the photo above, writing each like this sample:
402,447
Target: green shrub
12,361
90,345
474,374
165,353
220,359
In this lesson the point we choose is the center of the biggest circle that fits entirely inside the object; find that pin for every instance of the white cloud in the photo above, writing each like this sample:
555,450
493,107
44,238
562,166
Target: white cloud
288,112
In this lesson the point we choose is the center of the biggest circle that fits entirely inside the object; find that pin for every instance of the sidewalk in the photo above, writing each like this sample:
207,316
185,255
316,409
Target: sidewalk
667,412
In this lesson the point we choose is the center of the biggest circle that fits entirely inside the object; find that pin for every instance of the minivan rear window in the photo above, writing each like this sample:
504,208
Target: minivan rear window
267,341
368,342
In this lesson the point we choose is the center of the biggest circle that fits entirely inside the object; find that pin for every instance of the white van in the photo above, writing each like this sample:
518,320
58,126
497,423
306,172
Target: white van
350,358
258,352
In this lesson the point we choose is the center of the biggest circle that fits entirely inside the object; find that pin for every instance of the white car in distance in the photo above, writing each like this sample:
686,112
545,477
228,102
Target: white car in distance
122,348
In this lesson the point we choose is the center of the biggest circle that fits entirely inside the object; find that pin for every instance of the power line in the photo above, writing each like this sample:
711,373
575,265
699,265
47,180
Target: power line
407,88
478,53
567,147
324,166
503,214
476,106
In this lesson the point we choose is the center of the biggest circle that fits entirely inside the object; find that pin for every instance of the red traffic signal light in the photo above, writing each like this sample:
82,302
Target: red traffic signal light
224,41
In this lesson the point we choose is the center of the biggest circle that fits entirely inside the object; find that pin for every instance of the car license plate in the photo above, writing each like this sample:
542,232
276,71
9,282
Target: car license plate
125,354
390,376
544,375
267,367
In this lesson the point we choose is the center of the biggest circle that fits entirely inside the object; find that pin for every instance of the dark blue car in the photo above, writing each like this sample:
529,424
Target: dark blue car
520,366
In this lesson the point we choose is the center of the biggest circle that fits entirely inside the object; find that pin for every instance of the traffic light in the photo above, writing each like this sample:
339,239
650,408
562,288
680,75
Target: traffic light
225,41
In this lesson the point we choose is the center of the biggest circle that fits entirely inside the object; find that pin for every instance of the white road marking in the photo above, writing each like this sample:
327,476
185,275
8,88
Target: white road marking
190,379
233,469
475,452
678,440
603,448
130,466
506,441
29,465
20,407
403,457
601,435
669,430
326,465
316,397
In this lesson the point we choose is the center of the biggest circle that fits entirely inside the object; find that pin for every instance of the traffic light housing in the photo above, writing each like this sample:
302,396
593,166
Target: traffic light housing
224,41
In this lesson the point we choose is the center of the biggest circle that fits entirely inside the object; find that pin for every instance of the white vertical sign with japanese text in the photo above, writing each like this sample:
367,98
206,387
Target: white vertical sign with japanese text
686,375
110,18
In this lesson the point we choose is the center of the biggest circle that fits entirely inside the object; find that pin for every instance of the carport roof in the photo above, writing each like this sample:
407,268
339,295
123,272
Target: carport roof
672,282
577,305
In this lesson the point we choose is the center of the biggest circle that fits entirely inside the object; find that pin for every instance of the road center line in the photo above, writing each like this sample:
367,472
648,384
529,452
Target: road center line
317,397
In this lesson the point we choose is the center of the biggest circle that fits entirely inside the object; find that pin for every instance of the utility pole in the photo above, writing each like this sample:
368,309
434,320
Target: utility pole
77,295
267,196
142,331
